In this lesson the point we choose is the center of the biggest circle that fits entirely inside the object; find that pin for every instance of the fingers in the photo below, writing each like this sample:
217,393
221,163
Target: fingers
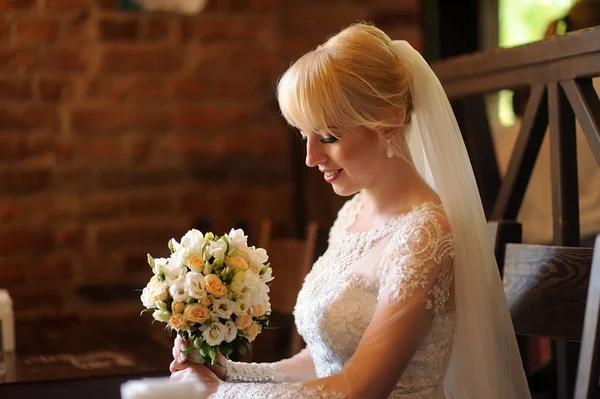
176,366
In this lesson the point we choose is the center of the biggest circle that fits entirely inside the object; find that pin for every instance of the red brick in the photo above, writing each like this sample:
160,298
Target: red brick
132,59
151,205
24,181
27,118
36,30
103,206
115,119
38,299
128,177
51,268
6,5
11,210
12,272
106,4
257,6
18,59
143,235
14,147
27,241
65,5
99,149
69,236
62,60
16,88
118,30
157,29
55,89
120,88
198,201
212,116
75,30
139,149
4,29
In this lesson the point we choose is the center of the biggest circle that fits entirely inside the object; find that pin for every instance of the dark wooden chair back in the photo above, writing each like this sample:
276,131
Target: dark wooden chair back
588,371
291,260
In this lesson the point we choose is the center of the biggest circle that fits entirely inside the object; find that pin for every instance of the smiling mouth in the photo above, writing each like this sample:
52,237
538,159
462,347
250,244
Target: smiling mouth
331,175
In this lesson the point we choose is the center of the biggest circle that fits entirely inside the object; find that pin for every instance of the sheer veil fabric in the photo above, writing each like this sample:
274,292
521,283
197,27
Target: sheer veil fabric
485,360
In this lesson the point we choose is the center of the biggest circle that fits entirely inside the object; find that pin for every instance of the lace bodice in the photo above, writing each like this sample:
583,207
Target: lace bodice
407,259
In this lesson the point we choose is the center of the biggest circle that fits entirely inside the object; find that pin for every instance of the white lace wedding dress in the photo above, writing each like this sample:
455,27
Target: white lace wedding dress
407,260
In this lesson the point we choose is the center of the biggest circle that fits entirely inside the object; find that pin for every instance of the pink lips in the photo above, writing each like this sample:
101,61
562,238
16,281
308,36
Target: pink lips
331,175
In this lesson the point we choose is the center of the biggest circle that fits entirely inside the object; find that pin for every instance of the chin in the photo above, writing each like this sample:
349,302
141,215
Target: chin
344,191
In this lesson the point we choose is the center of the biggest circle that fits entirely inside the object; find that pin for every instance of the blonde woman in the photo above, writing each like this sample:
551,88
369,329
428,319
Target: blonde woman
407,301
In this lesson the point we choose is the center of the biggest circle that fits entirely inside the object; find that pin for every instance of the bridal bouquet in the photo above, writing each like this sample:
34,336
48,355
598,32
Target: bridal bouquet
212,291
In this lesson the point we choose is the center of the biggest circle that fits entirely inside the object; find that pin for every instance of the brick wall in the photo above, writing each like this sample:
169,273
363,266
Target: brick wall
118,130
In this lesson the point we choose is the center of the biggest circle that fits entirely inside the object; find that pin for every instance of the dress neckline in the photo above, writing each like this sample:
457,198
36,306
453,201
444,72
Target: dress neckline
355,206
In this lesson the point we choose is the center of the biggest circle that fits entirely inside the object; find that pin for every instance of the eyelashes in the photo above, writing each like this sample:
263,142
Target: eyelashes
324,140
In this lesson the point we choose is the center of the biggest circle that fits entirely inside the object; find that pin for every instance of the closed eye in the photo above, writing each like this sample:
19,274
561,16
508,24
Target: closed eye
328,140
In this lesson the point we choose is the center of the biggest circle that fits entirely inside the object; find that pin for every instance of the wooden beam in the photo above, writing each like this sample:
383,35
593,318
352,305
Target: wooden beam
584,100
523,157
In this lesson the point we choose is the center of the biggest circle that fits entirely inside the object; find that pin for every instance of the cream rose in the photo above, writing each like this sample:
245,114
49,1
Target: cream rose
243,321
215,286
196,313
253,330
237,263
177,321
237,283
195,263
154,292
177,307
161,315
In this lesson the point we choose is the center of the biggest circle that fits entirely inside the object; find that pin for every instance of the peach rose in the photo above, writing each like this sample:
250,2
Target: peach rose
196,313
253,331
257,310
206,301
195,263
177,321
243,322
215,286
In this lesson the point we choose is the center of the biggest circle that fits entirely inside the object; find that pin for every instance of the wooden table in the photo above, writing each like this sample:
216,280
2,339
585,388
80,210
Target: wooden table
81,359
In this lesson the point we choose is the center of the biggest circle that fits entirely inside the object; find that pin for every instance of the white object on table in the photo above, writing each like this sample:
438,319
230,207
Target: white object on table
7,322
160,388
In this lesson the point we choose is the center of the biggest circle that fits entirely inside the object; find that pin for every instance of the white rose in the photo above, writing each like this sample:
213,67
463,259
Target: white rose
237,239
217,249
258,256
154,292
258,297
251,281
267,275
194,240
178,291
231,331
267,305
215,334
223,308
174,268
194,285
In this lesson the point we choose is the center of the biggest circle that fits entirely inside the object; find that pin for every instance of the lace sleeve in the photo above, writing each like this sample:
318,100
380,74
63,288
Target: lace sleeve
273,391
417,264
296,369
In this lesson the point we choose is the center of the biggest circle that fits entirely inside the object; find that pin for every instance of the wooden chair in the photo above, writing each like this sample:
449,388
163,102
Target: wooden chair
291,260
547,289
588,371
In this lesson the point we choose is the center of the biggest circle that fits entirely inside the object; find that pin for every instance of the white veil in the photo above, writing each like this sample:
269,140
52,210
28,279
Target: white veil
485,359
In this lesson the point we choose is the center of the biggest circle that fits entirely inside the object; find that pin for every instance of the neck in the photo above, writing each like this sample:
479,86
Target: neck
397,190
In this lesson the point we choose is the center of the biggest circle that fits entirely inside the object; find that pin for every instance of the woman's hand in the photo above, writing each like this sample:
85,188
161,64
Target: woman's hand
179,346
194,372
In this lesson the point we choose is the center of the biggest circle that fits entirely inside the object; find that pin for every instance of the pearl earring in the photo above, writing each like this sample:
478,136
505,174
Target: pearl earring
390,152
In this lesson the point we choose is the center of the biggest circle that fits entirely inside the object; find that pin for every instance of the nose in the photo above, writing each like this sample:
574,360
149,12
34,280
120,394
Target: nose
314,152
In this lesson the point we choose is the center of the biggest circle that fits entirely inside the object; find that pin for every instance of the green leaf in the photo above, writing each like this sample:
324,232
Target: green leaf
147,310
212,353
188,350
151,261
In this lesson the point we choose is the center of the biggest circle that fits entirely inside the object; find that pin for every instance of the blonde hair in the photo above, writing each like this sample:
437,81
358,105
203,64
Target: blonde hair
352,80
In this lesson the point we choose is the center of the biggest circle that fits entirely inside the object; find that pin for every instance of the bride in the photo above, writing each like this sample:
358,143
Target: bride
407,301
